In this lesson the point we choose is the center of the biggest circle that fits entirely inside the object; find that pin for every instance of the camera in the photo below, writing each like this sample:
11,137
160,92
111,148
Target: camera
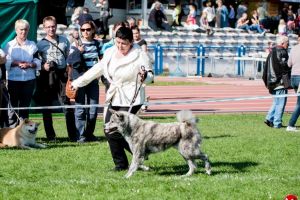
52,65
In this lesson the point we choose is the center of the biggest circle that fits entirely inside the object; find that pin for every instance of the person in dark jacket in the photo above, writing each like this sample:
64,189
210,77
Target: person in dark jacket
53,50
157,19
276,73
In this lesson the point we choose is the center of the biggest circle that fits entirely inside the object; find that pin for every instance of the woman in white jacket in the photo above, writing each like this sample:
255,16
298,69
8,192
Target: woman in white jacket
121,65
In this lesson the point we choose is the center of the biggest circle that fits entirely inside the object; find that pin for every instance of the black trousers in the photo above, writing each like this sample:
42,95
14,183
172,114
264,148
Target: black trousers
20,93
116,141
45,96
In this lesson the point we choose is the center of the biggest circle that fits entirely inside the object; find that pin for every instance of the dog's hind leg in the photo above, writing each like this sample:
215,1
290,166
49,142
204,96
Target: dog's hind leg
192,167
205,159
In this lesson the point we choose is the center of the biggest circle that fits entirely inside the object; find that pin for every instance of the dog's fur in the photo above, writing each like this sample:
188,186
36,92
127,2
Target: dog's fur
145,137
22,136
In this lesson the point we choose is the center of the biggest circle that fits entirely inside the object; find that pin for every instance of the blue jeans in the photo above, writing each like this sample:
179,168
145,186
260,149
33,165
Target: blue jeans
295,82
85,118
245,27
256,27
277,109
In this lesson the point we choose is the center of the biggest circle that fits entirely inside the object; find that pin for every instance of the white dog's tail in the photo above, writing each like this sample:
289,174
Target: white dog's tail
186,116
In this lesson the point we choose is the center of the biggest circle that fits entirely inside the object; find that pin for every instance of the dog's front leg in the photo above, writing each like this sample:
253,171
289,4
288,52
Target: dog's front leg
25,147
133,166
37,145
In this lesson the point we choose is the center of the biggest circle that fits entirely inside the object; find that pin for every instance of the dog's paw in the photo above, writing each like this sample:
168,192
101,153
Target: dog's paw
208,171
144,167
42,146
128,175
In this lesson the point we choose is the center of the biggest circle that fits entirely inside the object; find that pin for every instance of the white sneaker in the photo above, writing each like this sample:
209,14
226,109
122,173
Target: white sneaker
291,129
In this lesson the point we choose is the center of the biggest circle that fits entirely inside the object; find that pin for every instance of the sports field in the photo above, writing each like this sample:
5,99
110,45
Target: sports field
249,161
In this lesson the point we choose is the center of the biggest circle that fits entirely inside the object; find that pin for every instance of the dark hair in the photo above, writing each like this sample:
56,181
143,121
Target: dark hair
118,24
124,33
135,27
93,26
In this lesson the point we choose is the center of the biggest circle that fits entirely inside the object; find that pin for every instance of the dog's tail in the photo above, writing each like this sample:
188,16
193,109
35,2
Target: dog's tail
186,116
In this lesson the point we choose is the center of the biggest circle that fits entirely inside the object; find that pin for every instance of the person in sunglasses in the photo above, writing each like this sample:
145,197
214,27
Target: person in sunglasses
88,54
127,67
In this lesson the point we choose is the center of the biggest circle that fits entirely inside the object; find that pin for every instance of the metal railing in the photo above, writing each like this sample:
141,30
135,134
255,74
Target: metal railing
201,53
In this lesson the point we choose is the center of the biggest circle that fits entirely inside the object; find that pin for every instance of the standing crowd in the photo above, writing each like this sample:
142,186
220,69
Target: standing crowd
40,71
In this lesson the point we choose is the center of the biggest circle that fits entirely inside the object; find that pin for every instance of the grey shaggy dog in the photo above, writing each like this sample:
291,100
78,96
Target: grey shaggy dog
145,137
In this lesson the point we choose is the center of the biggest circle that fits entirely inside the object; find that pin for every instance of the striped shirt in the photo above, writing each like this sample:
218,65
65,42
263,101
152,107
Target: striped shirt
92,52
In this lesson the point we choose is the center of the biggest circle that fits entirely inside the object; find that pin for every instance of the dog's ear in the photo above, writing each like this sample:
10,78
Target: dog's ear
112,111
37,124
26,121
119,115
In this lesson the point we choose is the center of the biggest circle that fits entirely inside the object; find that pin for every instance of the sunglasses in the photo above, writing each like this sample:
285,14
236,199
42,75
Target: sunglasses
85,29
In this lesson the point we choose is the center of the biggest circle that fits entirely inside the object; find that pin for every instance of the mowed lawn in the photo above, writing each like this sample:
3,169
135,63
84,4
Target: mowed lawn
249,161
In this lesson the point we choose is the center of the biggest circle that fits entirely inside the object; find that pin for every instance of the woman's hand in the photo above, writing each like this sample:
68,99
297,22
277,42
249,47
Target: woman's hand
26,65
143,73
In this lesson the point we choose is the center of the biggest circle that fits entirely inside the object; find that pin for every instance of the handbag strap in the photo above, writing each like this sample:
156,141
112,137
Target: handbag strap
56,45
70,69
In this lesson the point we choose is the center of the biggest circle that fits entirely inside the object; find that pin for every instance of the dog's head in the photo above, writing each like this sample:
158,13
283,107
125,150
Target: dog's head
118,122
29,127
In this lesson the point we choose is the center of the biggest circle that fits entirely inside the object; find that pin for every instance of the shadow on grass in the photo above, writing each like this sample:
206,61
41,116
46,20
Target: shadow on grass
62,142
237,167
216,137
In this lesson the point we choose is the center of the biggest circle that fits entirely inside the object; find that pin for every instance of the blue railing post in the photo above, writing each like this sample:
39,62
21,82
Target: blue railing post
241,52
200,60
161,59
156,59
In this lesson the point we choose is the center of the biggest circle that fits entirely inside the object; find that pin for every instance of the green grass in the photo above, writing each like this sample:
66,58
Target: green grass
249,161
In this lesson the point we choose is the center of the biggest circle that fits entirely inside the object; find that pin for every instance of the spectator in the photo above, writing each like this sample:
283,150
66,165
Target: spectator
177,14
294,63
241,9
262,14
282,30
204,24
290,21
3,91
53,50
89,54
123,77
276,68
191,18
221,15
284,11
255,26
74,36
231,16
77,12
131,22
111,42
137,38
103,16
22,64
157,19
85,10
211,14
242,23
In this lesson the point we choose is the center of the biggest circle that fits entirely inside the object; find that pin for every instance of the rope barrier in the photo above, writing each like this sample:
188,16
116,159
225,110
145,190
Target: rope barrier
213,100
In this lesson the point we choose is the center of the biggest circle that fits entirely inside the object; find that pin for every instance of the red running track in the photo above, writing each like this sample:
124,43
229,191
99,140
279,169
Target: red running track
215,88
